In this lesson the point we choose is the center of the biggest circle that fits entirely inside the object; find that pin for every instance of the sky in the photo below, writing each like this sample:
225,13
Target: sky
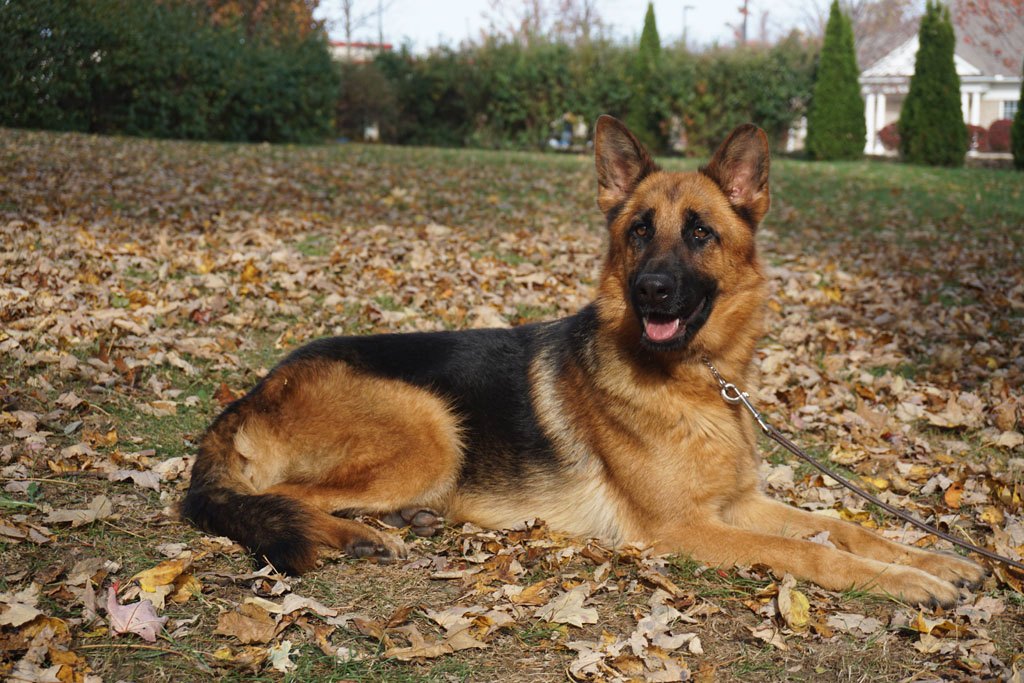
429,23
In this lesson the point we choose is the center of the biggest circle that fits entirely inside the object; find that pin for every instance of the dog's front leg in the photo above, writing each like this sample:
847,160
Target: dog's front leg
762,514
717,543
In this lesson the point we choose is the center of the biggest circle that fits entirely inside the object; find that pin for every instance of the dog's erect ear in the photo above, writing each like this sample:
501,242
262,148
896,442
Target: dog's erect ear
740,167
622,162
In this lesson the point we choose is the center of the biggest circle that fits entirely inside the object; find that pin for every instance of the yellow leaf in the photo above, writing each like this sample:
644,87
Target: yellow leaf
161,575
185,586
793,605
250,273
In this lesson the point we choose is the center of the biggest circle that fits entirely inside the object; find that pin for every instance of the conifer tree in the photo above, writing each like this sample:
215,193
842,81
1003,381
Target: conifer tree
645,110
650,43
1017,131
932,128
835,120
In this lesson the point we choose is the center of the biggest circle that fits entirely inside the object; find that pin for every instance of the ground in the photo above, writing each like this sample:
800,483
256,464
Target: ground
144,285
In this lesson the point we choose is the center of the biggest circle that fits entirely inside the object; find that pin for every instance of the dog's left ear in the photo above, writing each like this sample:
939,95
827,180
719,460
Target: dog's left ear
622,162
740,168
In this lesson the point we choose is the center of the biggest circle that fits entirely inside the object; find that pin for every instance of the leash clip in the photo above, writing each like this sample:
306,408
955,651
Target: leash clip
733,396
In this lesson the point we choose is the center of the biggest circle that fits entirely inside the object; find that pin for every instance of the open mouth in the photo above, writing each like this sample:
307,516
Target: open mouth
660,329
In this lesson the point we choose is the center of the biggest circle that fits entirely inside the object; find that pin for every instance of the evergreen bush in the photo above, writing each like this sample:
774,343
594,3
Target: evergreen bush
646,114
163,69
835,121
932,129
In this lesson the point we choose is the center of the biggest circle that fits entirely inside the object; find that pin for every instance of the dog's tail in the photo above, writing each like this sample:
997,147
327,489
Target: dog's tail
221,500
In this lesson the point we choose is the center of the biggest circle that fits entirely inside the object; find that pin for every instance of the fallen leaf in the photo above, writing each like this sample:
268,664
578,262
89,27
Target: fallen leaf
99,508
162,574
20,606
250,624
280,657
139,617
851,623
767,632
793,605
568,608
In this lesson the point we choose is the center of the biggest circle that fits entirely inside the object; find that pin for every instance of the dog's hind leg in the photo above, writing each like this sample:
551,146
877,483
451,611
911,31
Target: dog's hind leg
316,437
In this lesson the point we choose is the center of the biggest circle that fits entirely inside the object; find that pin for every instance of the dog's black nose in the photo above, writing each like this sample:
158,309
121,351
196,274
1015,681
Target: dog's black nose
653,288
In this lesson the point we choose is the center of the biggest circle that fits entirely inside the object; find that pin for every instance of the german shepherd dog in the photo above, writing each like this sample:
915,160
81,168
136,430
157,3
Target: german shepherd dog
605,424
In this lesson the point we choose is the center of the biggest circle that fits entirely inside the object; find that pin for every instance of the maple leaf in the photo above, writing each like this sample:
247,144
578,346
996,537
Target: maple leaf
138,617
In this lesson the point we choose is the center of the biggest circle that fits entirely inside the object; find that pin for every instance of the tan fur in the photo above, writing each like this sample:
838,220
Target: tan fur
377,445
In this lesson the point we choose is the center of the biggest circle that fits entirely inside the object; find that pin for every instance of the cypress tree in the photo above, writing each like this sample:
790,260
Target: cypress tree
1017,131
645,109
932,128
650,43
835,121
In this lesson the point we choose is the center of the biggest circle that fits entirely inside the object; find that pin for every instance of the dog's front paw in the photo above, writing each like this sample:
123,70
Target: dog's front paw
950,567
915,587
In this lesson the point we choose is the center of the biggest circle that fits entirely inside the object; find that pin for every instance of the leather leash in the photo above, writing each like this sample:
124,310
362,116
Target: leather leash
733,395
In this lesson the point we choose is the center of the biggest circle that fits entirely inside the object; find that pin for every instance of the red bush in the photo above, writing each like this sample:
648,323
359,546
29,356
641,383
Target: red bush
999,135
977,137
890,137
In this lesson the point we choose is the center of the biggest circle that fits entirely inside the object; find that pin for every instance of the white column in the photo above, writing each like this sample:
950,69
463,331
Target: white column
879,120
869,119
965,106
976,108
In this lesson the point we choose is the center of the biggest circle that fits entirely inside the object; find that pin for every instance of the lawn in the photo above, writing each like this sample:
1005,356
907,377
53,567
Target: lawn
145,284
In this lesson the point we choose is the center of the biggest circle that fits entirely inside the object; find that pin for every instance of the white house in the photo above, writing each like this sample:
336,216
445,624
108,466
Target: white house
988,62
357,52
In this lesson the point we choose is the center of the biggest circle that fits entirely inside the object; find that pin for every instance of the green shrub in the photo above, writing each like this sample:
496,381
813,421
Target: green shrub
835,121
503,94
932,129
647,113
162,69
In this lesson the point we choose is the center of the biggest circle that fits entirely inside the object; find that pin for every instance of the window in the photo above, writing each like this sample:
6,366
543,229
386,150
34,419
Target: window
1010,108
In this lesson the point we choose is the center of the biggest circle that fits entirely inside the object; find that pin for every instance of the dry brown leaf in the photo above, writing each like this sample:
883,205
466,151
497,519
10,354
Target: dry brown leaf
250,624
567,608
99,508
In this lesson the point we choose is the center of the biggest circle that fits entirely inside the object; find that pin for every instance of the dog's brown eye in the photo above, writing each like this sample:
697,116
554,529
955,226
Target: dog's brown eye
700,232
640,230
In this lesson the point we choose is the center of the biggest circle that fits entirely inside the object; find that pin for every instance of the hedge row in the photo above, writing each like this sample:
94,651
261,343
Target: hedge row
160,69
504,95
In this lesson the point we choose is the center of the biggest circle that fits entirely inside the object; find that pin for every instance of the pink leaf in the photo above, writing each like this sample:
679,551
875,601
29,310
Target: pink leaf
139,617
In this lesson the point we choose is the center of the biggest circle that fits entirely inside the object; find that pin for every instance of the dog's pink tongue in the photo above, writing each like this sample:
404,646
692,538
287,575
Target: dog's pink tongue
661,331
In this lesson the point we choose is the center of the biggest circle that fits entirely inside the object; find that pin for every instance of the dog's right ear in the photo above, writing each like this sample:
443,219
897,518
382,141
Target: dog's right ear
622,162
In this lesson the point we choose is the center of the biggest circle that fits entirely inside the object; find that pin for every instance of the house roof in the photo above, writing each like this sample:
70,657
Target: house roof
989,42
900,62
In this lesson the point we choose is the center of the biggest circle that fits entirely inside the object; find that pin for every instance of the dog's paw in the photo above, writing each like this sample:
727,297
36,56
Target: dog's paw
916,587
421,521
950,567
378,546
